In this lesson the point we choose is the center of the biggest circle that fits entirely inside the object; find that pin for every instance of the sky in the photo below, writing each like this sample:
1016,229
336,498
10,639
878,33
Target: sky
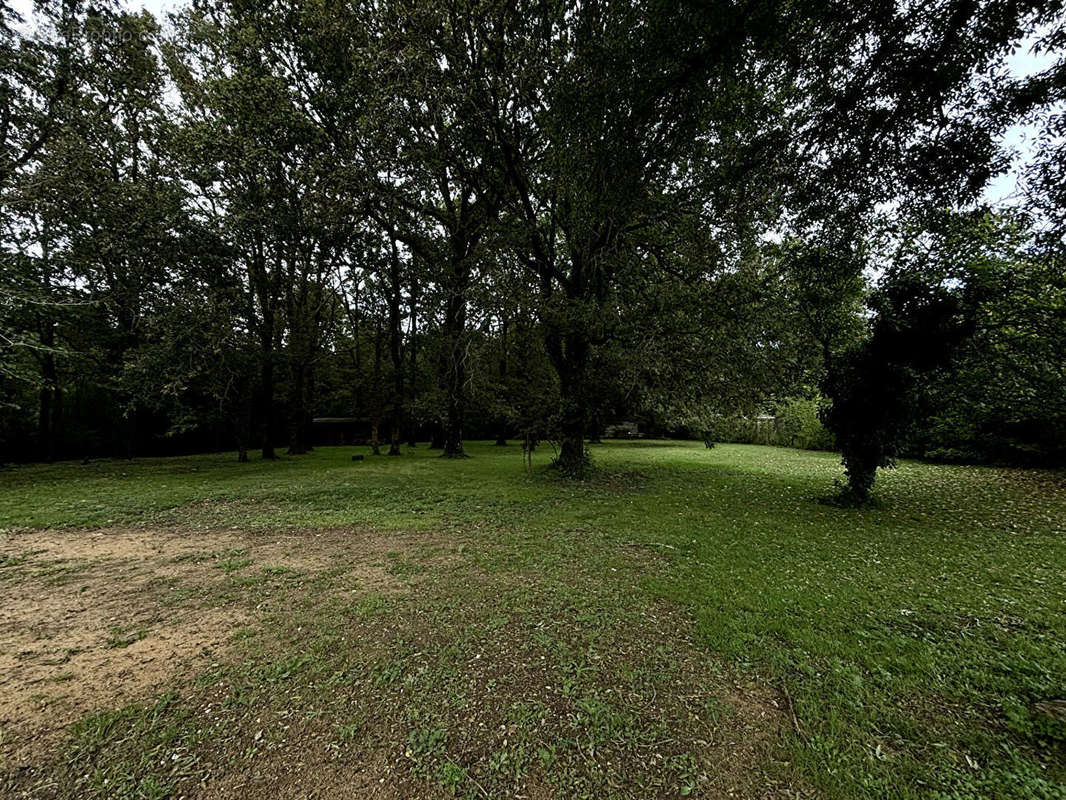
1019,137
157,7
1003,189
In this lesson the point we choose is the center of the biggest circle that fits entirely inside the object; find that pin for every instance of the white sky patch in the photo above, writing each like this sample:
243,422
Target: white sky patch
1022,139
159,8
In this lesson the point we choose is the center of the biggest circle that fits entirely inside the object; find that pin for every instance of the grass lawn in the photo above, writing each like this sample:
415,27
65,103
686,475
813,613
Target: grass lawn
688,623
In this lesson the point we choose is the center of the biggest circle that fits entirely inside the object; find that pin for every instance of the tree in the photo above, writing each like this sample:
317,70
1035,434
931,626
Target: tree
677,201
113,252
611,122
1004,400
269,174
876,385
40,76
441,196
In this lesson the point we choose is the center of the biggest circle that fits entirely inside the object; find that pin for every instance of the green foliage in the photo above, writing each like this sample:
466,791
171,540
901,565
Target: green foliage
793,423
1003,400
798,424
529,219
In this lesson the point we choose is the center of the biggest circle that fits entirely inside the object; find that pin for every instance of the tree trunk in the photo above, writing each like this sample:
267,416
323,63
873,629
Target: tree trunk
45,434
50,408
573,457
569,353
242,428
264,290
266,377
412,432
241,418
297,413
453,433
57,417
296,439
357,354
501,440
437,442
301,379
375,441
396,350
454,343
129,432
594,431
308,415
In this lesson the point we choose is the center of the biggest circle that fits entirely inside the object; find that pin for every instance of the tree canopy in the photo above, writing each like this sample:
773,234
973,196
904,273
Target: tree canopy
527,219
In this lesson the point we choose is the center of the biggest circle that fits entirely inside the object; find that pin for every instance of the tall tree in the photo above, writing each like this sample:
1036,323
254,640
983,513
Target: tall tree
121,201
442,193
260,159
41,75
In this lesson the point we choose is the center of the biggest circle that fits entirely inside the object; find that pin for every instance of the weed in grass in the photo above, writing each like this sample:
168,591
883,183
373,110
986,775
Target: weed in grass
388,673
118,638
232,564
425,743
402,566
369,605
454,779
281,671
134,753
287,572
714,709
248,581
348,732
194,558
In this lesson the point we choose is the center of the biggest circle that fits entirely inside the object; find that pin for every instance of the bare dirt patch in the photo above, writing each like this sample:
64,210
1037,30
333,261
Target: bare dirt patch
308,769
95,619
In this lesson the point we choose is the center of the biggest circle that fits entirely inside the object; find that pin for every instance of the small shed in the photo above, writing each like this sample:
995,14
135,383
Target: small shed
622,430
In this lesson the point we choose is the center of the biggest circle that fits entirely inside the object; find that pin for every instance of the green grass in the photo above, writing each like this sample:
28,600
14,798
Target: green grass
912,641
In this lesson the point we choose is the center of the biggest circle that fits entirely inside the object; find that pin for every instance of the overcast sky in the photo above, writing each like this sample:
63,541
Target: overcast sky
157,7
1020,137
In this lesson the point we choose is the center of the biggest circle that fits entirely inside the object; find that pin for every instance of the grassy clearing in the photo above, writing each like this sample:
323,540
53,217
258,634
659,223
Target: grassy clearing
690,622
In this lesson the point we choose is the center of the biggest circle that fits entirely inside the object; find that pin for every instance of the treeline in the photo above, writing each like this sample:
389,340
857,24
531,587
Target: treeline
525,219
